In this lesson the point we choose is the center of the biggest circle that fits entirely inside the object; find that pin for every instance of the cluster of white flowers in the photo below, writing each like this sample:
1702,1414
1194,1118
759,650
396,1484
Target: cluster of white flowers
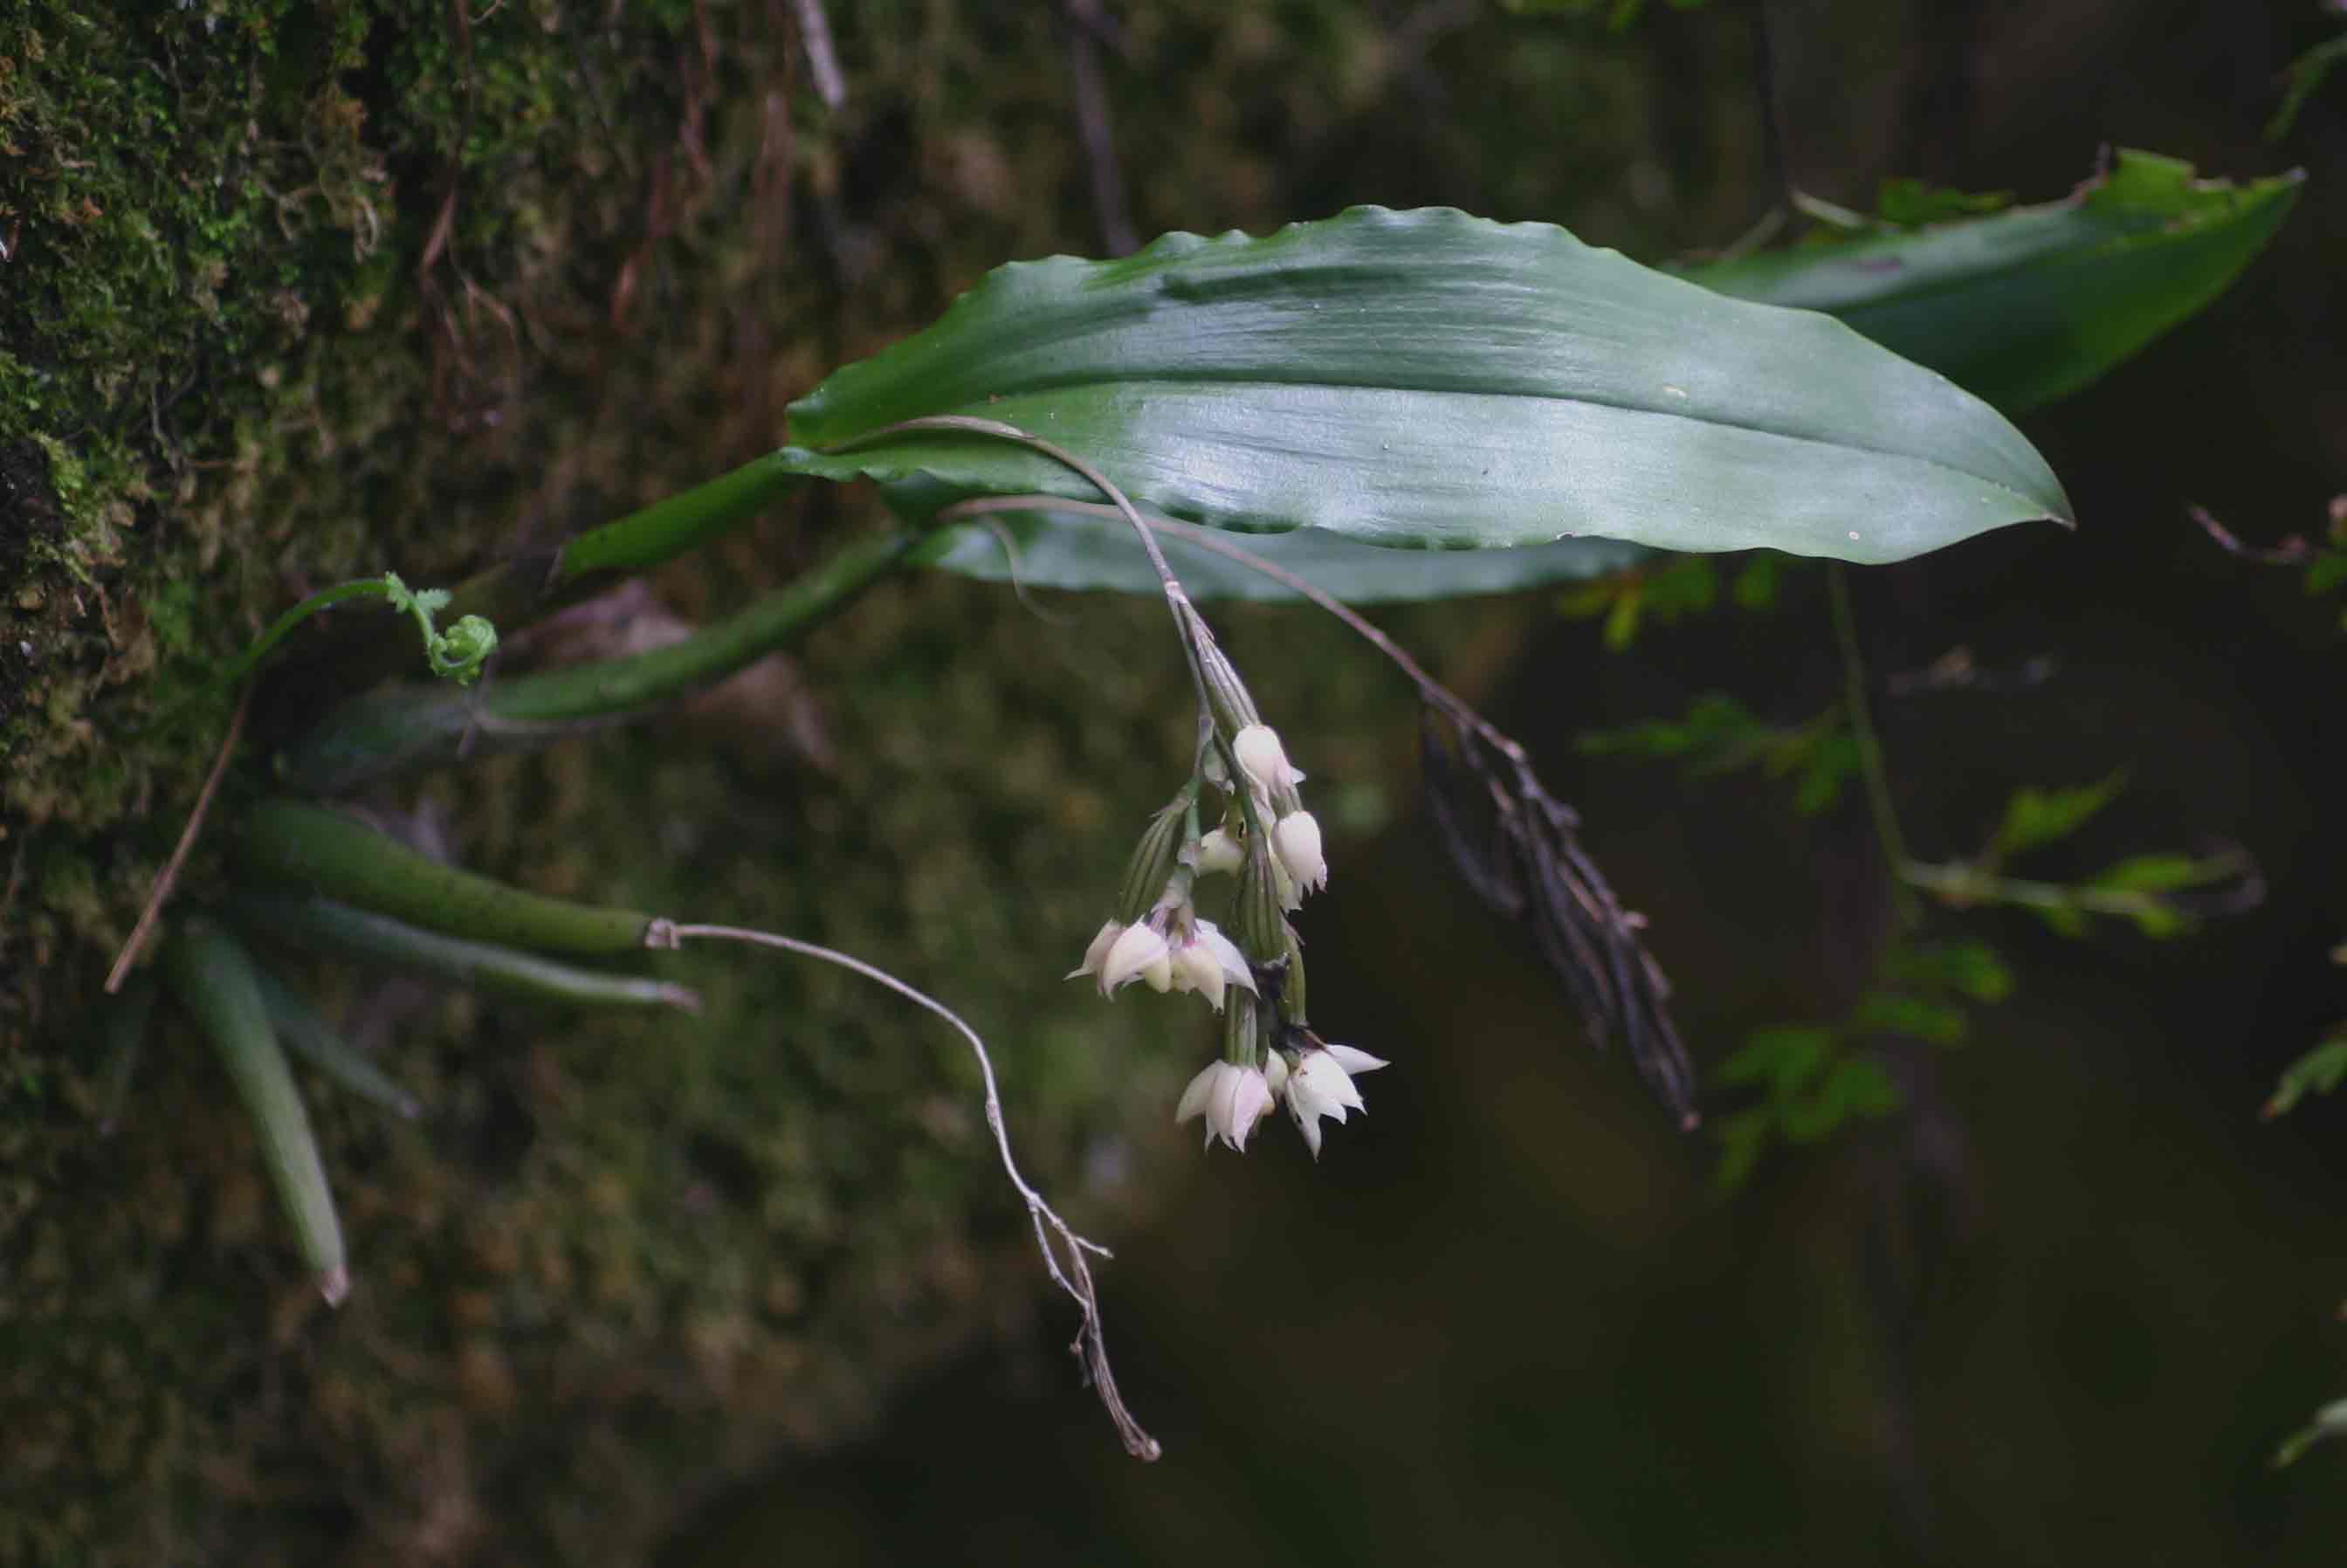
1271,845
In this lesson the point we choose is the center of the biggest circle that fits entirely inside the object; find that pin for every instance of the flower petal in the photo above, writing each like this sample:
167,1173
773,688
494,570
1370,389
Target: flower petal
1195,1097
1197,968
1307,1125
1097,953
1218,851
1226,955
1140,945
1250,1098
1297,840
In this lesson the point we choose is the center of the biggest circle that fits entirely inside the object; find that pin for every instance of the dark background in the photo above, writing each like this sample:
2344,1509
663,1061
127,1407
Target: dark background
2060,1310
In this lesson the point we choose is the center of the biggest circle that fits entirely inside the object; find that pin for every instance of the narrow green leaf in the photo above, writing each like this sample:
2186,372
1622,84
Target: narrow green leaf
2026,306
323,851
2318,1071
321,925
215,982
311,1037
2035,817
1430,379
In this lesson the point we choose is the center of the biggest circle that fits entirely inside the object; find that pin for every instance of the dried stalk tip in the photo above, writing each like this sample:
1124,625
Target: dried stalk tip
1518,849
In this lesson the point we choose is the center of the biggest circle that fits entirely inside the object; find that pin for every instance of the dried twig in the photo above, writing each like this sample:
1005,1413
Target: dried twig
1092,126
1065,1261
161,891
823,64
2292,551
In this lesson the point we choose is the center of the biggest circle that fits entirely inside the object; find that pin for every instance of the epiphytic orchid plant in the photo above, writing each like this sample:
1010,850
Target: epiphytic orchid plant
1397,405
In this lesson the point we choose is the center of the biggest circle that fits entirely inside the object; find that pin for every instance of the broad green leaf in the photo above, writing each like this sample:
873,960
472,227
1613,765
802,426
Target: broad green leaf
1428,380
2029,306
1085,550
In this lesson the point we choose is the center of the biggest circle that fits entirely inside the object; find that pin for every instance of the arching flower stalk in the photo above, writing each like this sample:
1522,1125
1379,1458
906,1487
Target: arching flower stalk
1515,844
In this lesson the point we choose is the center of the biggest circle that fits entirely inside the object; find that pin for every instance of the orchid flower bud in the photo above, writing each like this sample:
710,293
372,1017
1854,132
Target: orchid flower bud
1297,840
1265,760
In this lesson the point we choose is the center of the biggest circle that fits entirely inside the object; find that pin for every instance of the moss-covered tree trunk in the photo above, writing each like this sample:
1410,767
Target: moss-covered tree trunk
293,294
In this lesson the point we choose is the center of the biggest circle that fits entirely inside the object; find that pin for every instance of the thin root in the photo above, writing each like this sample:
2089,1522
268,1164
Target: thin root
1064,1250
161,892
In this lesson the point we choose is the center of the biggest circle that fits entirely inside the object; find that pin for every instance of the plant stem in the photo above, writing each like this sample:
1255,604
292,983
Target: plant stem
406,728
1186,619
1870,764
531,587
1214,540
1961,884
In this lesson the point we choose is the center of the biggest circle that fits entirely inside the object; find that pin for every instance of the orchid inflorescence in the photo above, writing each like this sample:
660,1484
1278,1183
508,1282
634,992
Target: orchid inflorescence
1267,841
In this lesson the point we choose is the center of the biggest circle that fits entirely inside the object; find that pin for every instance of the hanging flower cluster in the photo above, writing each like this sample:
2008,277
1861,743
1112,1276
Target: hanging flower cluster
1271,847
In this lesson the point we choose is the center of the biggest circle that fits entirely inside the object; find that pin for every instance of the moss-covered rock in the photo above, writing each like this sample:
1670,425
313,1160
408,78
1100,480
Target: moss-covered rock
294,294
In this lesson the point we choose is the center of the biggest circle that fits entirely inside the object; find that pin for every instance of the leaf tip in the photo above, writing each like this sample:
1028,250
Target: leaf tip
334,1284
